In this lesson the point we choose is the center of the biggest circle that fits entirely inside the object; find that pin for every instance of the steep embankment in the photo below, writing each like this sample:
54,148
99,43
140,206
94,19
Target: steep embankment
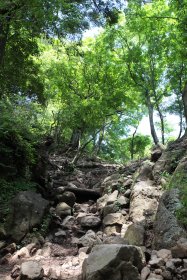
95,217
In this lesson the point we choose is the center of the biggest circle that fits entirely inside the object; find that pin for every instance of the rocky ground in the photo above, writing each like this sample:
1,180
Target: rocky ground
98,221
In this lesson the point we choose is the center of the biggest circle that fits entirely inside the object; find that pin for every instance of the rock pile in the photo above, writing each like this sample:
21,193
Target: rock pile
105,222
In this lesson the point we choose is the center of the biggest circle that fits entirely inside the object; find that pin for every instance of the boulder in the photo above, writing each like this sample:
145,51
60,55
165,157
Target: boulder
154,276
102,201
63,209
113,262
115,240
164,254
68,222
89,239
108,209
90,221
67,197
26,212
157,152
112,230
180,249
123,201
127,184
170,158
167,230
113,219
144,201
135,234
127,193
145,273
112,197
31,270
145,172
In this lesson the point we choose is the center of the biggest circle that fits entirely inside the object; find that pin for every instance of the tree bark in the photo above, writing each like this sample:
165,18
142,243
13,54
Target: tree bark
161,123
75,139
184,99
97,147
151,119
132,143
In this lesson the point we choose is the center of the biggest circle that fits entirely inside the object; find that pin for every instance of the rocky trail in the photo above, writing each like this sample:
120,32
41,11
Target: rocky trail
97,221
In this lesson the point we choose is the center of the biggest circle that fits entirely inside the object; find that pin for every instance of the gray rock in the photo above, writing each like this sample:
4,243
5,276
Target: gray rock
102,201
127,183
68,222
170,266
89,239
167,230
180,249
31,270
127,193
2,244
135,234
112,197
177,262
144,201
27,211
164,254
108,209
90,221
115,240
167,275
170,158
63,210
60,233
113,219
145,273
112,230
154,276
123,201
156,262
156,153
113,262
67,197
145,172
185,263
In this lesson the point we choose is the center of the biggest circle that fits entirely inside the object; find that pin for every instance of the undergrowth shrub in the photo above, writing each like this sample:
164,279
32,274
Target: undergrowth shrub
20,132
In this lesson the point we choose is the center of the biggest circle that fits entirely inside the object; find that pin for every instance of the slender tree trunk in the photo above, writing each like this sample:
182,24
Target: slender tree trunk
132,143
184,99
162,123
181,111
151,119
99,142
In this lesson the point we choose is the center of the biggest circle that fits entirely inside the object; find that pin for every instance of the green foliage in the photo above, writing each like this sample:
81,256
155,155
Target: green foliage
182,211
20,132
44,226
98,88
120,150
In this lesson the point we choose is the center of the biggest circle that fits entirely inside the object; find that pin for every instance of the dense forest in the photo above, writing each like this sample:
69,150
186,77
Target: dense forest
89,93
85,192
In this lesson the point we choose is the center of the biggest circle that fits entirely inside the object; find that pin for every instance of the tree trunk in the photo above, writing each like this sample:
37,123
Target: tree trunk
151,121
132,143
75,139
184,99
181,109
161,123
97,147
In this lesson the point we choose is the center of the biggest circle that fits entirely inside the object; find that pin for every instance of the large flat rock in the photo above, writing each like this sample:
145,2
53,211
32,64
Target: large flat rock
113,262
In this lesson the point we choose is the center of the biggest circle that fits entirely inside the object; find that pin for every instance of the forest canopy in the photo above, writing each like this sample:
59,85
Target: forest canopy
90,93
